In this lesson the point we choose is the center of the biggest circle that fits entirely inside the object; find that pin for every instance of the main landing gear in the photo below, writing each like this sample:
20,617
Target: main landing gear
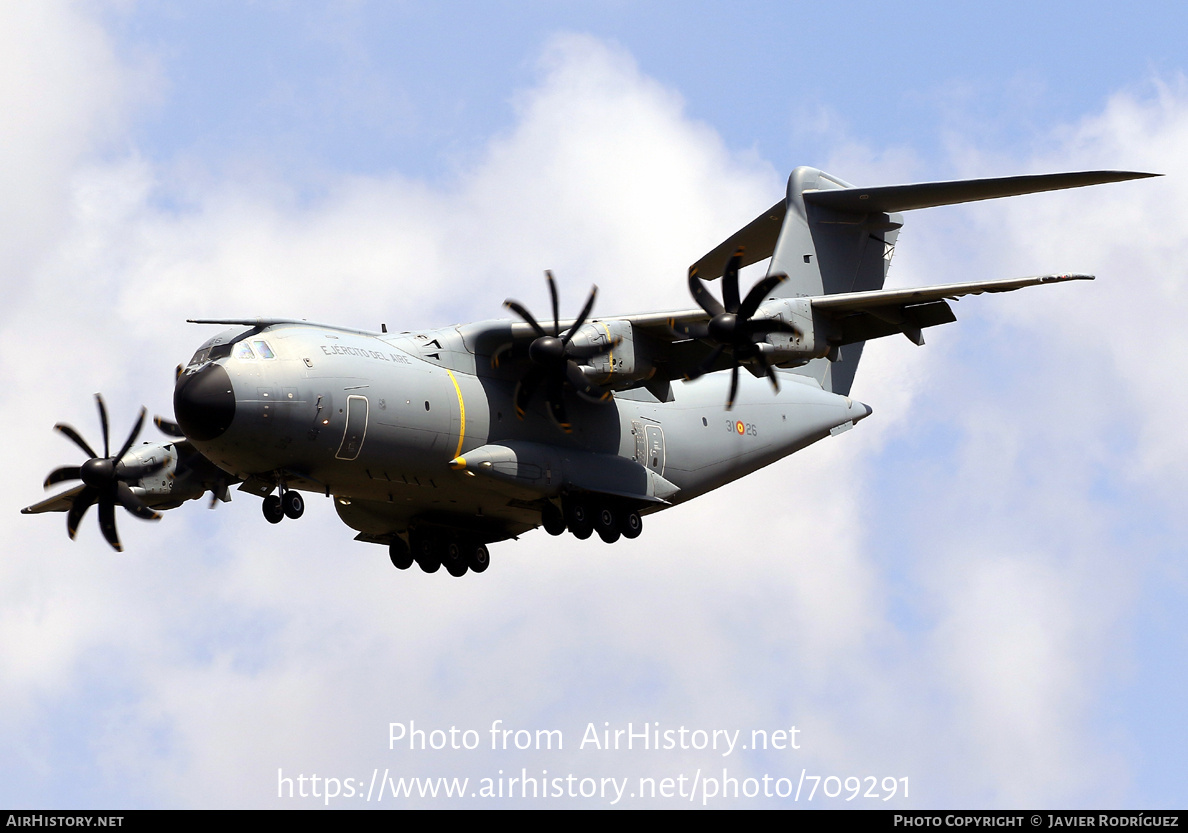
583,516
433,549
289,504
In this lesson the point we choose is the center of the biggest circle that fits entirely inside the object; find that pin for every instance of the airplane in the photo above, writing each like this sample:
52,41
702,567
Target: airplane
438,443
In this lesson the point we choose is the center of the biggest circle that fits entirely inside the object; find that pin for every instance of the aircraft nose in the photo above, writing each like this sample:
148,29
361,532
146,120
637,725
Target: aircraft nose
204,402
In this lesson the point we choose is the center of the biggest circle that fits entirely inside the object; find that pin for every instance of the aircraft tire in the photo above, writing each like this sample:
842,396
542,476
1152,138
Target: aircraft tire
578,518
293,504
429,564
274,513
631,524
552,519
606,522
454,556
427,551
400,554
480,558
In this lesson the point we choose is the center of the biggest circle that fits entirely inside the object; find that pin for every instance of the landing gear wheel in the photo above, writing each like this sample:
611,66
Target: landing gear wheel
607,524
553,520
273,512
631,525
578,519
455,558
429,564
400,554
480,558
427,551
293,504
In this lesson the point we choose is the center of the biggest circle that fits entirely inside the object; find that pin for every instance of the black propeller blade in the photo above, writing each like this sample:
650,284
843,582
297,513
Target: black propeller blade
169,428
105,480
555,359
732,325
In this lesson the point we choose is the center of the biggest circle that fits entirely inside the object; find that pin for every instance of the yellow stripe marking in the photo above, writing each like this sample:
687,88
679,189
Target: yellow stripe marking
610,353
461,414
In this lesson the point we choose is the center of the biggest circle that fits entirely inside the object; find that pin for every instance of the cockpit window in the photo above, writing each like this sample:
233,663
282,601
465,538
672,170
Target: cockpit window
243,351
263,349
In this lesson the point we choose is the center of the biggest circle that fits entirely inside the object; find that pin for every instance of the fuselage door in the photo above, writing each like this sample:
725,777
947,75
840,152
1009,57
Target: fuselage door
356,428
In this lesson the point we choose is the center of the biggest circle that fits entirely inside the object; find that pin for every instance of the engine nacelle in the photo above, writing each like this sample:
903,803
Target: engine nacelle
174,483
788,349
626,362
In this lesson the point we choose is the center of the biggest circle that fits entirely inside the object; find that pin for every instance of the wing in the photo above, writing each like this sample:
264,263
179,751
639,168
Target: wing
651,349
57,503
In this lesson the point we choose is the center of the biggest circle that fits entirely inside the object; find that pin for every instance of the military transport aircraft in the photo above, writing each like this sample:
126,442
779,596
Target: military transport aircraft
438,443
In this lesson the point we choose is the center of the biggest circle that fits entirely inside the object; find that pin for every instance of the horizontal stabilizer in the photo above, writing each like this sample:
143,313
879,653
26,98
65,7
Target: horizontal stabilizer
757,239
859,301
892,198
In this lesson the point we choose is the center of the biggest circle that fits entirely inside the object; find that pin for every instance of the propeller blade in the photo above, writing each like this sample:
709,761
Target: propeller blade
218,492
770,371
581,318
518,309
758,293
556,303
557,405
171,429
702,295
82,502
103,423
107,524
132,437
733,387
730,281
135,505
707,365
63,428
63,473
525,388
577,379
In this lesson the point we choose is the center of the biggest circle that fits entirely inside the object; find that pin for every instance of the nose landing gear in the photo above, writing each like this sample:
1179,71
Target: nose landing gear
289,504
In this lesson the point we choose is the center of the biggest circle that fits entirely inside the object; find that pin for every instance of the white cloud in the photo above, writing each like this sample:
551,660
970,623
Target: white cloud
957,635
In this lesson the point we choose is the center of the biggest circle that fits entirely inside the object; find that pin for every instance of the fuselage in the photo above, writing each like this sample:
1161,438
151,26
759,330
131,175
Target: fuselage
411,428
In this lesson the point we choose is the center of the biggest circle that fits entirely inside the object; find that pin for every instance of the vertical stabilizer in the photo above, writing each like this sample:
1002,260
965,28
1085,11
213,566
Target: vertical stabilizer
824,251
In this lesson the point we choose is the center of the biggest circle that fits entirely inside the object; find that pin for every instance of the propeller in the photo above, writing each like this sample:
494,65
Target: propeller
733,326
555,360
105,480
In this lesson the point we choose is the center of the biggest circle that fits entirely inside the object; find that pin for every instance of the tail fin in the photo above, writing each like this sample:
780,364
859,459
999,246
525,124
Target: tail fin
829,236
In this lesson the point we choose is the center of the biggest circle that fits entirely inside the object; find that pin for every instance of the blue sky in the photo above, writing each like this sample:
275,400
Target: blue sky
981,588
